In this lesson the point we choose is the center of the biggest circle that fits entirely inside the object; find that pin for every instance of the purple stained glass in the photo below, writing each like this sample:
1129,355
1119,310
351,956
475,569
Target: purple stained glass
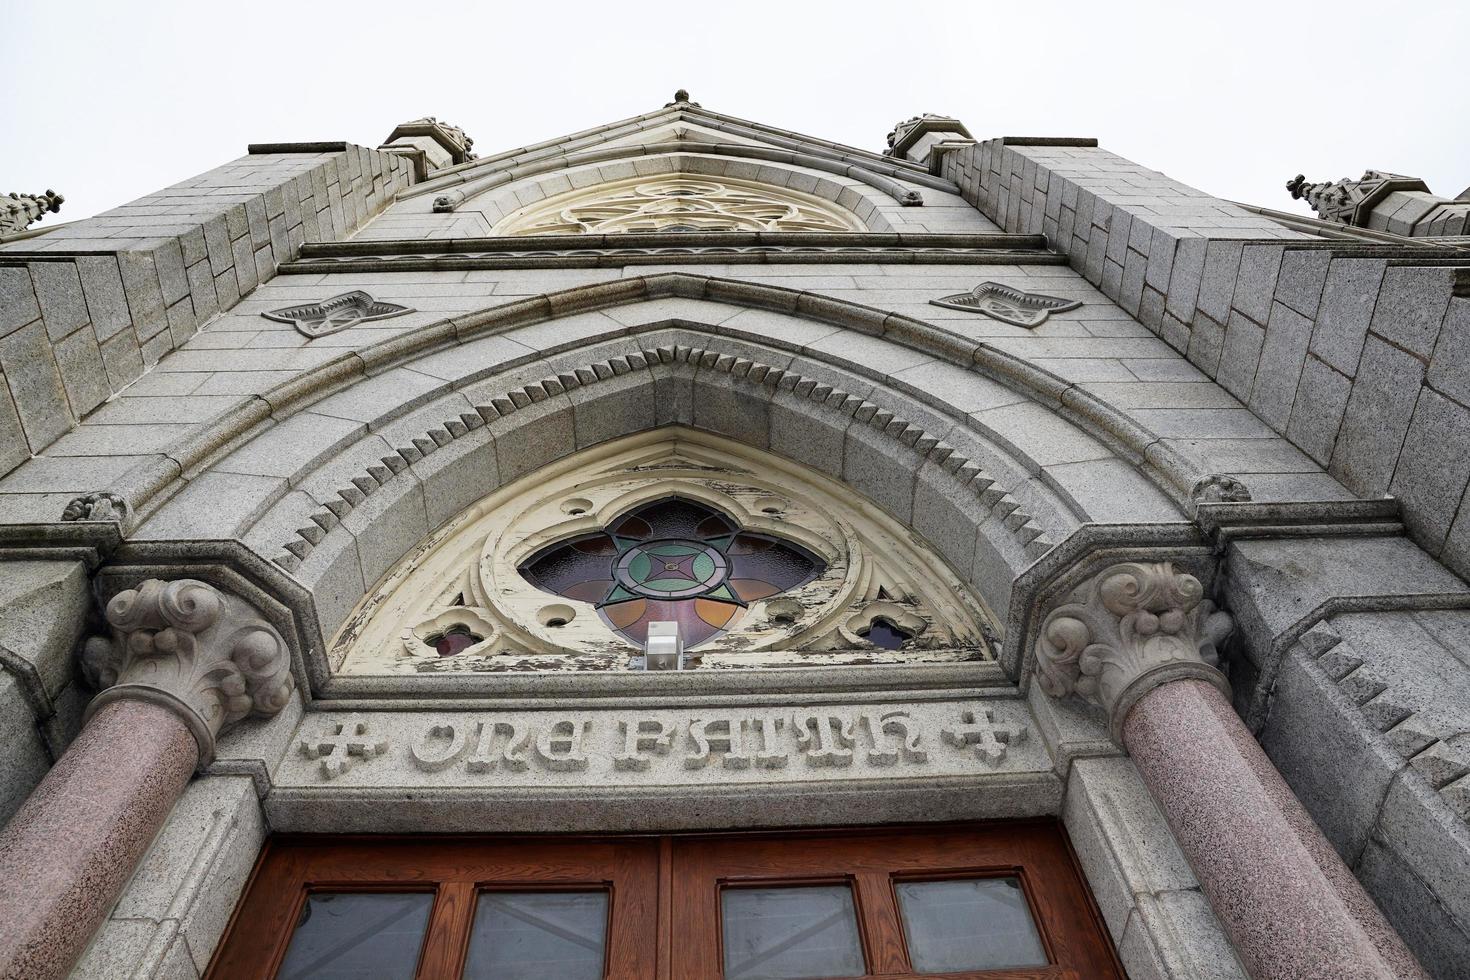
886,634
456,639
671,560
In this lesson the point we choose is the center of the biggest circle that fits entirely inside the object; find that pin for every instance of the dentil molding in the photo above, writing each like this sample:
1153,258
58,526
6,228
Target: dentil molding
1129,629
185,645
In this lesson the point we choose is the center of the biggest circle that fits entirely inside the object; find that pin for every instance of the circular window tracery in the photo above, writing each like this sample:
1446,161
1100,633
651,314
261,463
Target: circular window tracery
678,203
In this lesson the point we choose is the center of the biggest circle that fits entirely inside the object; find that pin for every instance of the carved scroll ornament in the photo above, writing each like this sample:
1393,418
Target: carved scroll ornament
185,645
1133,627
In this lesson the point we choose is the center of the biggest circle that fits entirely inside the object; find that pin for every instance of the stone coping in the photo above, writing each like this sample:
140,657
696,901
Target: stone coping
558,149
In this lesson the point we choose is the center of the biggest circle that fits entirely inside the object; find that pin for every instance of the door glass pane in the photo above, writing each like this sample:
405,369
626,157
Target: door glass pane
790,932
357,936
538,936
968,924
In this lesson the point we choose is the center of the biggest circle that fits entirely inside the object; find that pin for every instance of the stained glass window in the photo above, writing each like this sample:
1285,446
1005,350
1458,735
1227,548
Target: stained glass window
671,560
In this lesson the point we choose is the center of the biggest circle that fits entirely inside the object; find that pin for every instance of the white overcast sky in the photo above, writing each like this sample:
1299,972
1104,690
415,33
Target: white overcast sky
107,101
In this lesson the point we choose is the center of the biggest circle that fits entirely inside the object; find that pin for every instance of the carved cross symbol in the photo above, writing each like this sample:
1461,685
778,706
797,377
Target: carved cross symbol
337,747
989,737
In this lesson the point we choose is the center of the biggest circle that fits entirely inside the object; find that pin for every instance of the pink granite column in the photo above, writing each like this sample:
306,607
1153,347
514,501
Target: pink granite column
1139,640
71,847
184,662
1293,909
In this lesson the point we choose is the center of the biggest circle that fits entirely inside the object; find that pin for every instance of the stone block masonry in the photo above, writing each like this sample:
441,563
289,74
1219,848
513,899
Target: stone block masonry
87,307
1358,353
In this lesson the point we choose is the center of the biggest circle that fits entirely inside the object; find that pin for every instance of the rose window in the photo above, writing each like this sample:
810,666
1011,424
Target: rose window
671,560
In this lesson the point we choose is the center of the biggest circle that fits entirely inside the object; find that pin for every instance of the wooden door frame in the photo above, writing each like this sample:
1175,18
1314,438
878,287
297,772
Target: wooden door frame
279,866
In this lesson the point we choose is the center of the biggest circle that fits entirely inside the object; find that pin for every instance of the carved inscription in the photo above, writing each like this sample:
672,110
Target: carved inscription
814,738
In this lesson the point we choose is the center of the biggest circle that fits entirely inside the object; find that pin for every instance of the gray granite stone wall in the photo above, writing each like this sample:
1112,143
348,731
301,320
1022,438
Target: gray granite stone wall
1355,674
1358,354
88,307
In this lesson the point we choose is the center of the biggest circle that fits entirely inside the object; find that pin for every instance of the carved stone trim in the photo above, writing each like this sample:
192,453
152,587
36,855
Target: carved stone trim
96,506
1008,305
20,211
1350,202
679,202
1220,488
1030,536
199,652
1133,627
694,249
336,314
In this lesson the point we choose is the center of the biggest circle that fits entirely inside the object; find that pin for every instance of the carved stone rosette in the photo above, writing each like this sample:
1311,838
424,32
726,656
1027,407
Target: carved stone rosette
1133,627
198,652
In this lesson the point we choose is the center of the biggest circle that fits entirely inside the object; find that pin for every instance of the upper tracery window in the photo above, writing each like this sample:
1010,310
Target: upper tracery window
678,202
760,561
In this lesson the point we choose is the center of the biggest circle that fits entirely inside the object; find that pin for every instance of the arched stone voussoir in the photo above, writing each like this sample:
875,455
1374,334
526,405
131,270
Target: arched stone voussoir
897,464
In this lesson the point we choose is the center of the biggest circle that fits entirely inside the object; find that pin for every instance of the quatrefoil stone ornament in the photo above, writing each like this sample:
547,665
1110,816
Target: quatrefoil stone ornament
336,314
1008,305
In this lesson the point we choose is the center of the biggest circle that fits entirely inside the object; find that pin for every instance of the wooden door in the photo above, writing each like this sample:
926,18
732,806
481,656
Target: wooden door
1002,901
881,877
456,876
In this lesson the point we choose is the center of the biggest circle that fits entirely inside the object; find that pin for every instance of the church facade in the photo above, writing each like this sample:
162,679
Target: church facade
691,548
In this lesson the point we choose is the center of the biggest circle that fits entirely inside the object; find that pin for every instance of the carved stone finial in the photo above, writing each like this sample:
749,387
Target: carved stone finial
98,505
1350,202
203,654
20,211
1133,627
681,97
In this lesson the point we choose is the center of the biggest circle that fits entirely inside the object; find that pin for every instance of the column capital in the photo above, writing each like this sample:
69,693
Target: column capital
1127,630
185,645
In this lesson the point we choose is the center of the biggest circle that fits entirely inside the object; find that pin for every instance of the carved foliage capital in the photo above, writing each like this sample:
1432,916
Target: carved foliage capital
193,649
1132,627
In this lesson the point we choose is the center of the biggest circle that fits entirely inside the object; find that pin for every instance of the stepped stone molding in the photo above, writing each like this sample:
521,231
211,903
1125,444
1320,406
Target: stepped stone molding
1442,758
199,652
1131,628
966,472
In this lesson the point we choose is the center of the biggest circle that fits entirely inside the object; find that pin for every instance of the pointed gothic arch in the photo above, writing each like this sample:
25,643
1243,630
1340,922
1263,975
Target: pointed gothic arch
875,201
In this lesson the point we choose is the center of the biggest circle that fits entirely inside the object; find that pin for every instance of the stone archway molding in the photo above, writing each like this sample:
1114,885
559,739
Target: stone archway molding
140,489
452,199
969,476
